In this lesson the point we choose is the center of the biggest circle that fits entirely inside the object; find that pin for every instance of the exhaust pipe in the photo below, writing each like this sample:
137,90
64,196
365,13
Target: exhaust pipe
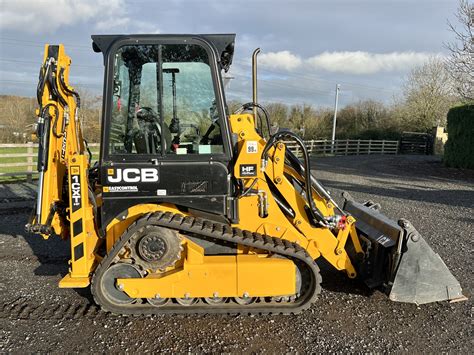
254,81
398,259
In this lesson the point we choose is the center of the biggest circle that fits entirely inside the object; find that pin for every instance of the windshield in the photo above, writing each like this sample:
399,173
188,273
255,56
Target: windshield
164,101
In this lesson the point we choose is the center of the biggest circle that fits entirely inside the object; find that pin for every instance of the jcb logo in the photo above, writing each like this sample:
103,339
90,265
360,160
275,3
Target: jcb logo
132,175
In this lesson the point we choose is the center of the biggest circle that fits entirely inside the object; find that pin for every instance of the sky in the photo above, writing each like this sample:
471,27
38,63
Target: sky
308,46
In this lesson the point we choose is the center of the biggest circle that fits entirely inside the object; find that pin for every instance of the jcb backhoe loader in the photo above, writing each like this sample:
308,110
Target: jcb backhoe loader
193,209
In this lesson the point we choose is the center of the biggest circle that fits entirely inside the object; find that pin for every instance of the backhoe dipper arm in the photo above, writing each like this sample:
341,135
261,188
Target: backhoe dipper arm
64,203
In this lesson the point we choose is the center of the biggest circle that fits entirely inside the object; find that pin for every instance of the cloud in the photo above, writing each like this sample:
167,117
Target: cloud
46,16
145,27
356,62
280,60
367,63
106,24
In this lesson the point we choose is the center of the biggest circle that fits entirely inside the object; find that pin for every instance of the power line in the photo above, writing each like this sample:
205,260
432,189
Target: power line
286,85
27,44
239,61
306,75
299,88
312,76
34,83
309,76
39,63
296,75
36,43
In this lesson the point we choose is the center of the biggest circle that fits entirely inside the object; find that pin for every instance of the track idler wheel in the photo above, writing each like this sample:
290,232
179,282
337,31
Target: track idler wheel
109,286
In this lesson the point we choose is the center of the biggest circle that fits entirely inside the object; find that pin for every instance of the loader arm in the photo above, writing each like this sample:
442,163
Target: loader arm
356,239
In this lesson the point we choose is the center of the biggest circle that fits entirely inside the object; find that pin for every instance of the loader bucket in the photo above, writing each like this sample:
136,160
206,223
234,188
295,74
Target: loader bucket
399,260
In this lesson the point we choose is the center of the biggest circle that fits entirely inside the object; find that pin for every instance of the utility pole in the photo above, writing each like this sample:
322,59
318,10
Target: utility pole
227,79
333,137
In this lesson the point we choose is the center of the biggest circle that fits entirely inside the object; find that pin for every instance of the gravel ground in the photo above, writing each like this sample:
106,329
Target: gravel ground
36,316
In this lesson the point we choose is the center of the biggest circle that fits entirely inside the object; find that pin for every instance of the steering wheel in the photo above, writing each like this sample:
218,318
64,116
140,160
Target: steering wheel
148,135
147,114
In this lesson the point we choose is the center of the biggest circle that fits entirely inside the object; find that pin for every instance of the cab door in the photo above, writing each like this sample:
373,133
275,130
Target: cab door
165,135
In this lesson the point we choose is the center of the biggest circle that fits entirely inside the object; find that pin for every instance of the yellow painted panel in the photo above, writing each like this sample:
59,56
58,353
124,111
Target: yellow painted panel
259,277
218,274
224,276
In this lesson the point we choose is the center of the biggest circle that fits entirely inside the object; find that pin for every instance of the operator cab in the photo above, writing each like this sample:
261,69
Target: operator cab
163,96
165,134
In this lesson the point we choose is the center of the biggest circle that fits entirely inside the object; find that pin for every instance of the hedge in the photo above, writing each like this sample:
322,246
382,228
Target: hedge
459,149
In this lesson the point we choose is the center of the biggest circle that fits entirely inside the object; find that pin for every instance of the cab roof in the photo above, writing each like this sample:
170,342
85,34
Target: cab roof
222,44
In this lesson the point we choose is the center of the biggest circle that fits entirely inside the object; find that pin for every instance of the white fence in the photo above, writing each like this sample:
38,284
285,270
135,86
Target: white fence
346,147
20,159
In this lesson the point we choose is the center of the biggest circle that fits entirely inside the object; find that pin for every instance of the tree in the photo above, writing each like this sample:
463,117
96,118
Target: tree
366,119
90,115
17,116
305,120
358,117
460,63
278,114
233,106
428,94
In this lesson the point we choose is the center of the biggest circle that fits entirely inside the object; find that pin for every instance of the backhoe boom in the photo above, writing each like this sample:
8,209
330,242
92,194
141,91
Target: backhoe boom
64,206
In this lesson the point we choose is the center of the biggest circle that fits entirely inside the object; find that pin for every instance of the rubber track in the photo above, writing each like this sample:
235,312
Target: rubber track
208,228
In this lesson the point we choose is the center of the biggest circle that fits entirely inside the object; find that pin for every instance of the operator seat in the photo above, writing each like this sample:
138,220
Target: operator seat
147,137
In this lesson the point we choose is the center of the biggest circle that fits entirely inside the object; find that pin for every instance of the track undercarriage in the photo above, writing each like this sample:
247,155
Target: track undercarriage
119,265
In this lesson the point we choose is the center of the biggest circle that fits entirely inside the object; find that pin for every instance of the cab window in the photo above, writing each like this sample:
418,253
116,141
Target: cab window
164,102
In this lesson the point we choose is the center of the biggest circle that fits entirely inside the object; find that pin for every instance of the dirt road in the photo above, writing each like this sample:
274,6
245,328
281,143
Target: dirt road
36,316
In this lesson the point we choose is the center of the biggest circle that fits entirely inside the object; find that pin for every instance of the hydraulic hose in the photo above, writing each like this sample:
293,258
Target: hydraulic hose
88,151
77,99
244,193
41,82
313,210
249,105
47,76
296,164
43,74
54,89
69,90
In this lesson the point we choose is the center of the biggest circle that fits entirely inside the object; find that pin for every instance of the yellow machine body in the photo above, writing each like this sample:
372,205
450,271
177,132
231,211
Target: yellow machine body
258,212
274,255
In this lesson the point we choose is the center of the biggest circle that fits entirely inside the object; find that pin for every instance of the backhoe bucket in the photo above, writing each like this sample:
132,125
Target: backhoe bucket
399,260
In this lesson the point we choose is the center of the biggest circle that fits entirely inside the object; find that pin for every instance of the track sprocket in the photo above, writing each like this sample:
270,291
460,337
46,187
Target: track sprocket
155,248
